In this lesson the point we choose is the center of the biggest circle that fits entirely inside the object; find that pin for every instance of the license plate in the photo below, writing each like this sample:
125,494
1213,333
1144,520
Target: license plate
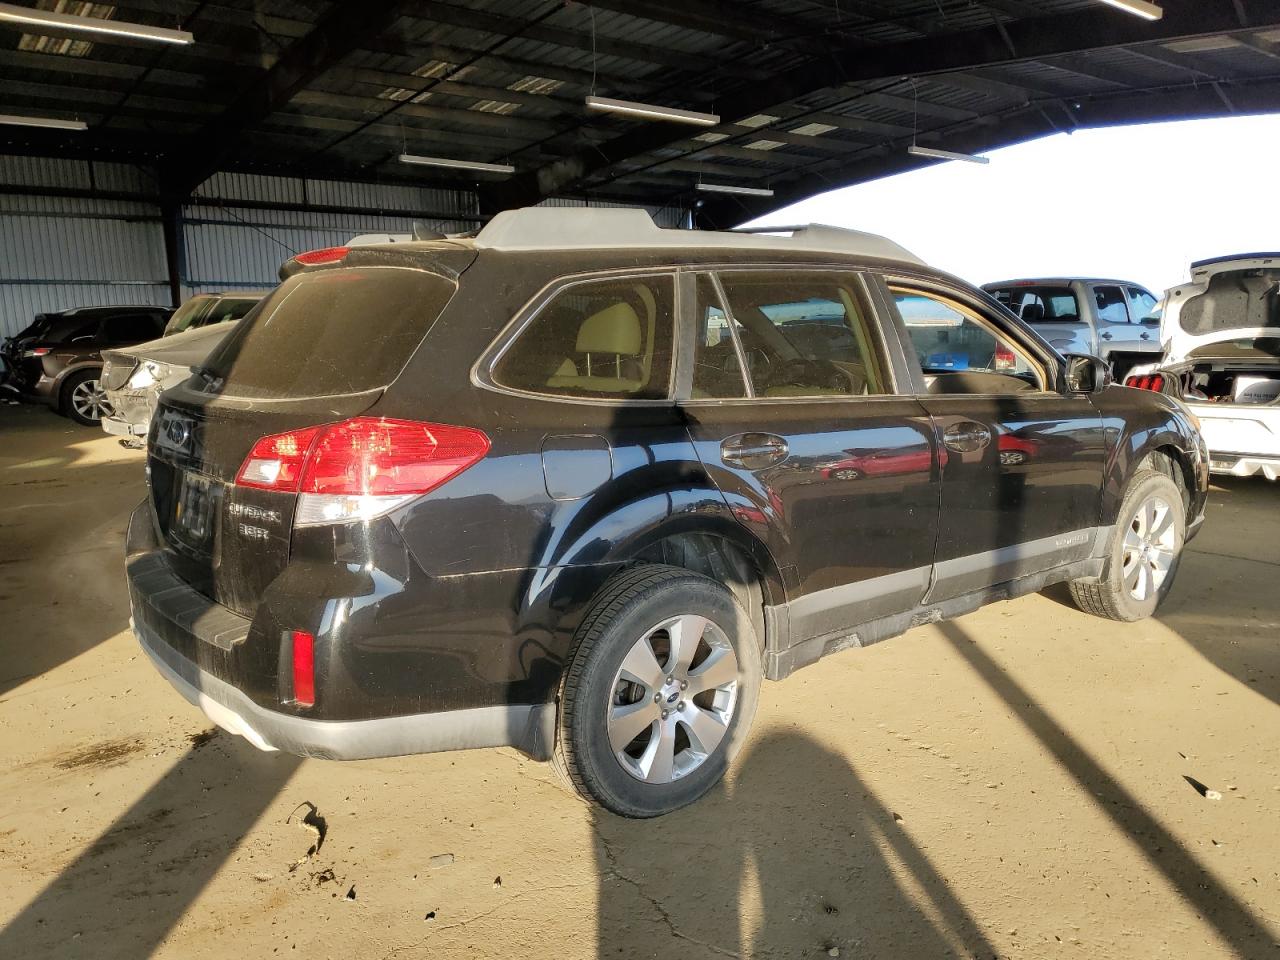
193,508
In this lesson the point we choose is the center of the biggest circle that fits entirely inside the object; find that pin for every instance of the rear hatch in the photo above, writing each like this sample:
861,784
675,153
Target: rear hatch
323,348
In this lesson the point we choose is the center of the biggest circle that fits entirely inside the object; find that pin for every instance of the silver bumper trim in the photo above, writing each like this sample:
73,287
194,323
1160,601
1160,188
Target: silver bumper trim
528,727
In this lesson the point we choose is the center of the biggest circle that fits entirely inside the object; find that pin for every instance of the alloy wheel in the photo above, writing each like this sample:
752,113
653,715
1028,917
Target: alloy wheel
1150,546
673,698
89,400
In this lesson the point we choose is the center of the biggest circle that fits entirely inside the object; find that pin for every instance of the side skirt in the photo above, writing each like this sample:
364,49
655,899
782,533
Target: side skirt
781,663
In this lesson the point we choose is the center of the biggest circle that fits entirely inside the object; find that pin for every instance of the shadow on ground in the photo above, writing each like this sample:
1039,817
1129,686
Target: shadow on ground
793,858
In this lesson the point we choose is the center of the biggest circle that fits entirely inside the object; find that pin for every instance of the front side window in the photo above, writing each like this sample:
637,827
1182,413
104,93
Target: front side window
598,339
958,351
802,334
1142,304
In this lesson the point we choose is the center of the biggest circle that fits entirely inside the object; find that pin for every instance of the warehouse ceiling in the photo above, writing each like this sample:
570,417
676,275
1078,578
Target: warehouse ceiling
811,94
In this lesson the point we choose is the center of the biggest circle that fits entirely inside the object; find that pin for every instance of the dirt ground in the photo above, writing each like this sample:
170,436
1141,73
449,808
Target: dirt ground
1013,784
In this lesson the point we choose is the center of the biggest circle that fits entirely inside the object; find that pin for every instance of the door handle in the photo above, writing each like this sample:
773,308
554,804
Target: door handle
1144,336
966,436
1106,336
753,451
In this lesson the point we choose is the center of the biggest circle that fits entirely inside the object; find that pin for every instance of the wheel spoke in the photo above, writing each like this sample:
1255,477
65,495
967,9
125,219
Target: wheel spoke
686,633
705,728
1132,541
1144,581
659,761
641,666
628,722
1132,576
717,670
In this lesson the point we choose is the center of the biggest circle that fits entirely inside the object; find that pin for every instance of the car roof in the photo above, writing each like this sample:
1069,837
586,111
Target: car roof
1060,281
232,294
553,229
114,308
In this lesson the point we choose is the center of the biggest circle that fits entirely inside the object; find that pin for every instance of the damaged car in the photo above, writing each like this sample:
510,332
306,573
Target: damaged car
133,378
1221,338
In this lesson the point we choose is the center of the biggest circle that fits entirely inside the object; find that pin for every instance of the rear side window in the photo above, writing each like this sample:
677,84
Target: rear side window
801,334
331,332
603,339
1040,304
131,328
1111,308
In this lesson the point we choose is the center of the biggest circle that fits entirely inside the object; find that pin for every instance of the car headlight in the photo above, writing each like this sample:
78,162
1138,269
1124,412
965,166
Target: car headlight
147,375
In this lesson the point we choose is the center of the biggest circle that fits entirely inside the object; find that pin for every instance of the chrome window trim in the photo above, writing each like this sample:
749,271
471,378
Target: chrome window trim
482,369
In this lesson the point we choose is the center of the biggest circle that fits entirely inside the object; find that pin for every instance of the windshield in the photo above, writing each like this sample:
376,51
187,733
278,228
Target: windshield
330,332
1236,300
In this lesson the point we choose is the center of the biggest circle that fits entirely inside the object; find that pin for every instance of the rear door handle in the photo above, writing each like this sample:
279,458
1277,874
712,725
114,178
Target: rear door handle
1106,336
966,436
1144,336
753,451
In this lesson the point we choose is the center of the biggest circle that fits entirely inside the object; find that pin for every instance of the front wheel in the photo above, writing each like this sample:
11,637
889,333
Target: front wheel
660,692
84,400
1146,545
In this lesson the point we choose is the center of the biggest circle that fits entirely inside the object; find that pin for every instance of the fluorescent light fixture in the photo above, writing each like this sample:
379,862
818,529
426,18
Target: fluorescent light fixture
16,121
65,21
729,188
933,154
1147,11
457,164
651,111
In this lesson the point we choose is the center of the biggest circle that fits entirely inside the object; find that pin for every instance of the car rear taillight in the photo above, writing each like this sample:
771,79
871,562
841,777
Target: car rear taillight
323,255
304,668
37,351
1146,381
360,468
1005,358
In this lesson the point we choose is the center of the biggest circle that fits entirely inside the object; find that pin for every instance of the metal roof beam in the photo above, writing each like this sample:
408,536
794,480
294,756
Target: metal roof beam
345,27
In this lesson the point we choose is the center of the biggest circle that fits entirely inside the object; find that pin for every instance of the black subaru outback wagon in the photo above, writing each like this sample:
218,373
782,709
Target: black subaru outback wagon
577,484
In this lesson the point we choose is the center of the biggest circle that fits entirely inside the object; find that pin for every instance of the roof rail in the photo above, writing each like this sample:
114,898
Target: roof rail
594,228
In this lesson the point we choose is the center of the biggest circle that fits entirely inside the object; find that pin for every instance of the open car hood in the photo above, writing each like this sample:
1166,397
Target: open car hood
184,349
1230,301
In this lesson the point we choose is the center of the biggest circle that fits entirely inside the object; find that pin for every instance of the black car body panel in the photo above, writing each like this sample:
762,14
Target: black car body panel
449,620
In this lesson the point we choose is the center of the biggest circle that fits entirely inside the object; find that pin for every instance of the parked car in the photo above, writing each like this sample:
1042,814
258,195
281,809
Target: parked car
58,359
561,486
1112,319
134,377
205,309
1221,338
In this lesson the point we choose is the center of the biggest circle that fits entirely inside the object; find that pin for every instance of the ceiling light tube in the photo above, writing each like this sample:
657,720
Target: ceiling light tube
1147,11
651,111
933,154
456,164
16,121
13,13
729,188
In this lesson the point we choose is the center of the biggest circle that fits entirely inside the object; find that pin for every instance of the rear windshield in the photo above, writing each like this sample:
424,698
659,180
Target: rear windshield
330,332
185,315
1045,304
1241,299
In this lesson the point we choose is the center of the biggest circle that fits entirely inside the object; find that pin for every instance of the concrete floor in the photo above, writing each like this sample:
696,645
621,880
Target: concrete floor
1011,784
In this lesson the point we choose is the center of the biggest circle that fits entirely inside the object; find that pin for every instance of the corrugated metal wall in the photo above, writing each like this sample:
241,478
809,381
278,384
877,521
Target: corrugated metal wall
59,251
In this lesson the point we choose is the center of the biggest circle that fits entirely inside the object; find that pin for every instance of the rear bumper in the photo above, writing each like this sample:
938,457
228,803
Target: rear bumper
230,709
118,427
188,636
1243,439
1244,465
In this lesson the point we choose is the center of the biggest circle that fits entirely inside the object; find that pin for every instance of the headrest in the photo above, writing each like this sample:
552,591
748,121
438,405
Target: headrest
1033,312
614,329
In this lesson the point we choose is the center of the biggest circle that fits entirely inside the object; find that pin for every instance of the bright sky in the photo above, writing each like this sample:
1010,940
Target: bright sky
1135,203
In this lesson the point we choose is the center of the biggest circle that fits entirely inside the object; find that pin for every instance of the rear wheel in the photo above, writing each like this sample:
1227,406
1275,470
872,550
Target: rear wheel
660,692
84,400
1145,548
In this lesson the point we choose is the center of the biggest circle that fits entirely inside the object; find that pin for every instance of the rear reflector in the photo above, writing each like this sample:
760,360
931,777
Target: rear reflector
1146,381
360,468
323,255
304,668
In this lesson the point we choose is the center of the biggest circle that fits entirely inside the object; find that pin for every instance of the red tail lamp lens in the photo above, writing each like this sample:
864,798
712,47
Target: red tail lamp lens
1146,381
366,456
323,255
304,668
1005,358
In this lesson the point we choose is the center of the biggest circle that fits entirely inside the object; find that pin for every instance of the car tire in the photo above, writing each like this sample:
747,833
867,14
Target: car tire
635,660
83,399
1143,554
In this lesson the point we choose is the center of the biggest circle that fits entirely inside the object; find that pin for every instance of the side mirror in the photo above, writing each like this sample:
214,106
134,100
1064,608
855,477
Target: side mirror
1086,374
